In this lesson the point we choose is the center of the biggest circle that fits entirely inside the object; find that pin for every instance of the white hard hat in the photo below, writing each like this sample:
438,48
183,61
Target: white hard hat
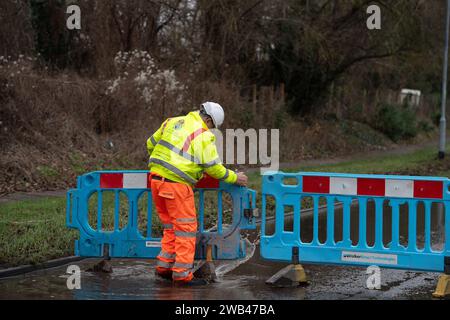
215,111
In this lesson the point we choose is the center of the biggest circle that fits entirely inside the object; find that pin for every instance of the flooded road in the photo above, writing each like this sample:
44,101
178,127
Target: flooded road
135,279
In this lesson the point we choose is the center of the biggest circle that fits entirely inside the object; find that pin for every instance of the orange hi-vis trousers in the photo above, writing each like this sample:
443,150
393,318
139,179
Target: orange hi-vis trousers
176,209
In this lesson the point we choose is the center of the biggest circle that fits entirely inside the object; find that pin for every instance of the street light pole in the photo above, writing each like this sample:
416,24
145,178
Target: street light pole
443,121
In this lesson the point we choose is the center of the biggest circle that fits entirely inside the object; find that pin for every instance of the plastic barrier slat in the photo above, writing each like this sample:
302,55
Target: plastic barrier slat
116,210
362,241
379,224
99,210
346,241
149,214
427,247
296,217
447,226
412,228
330,221
299,219
202,210
395,225
263,217
219,212
316,221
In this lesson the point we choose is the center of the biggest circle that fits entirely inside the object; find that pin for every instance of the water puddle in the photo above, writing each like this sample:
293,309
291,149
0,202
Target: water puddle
223,268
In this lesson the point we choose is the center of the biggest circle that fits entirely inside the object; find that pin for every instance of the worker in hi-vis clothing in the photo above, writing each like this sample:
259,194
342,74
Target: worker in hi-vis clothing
181,150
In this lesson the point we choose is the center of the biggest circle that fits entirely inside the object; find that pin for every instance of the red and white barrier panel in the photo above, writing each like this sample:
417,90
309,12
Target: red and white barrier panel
142,181
373,187
124,180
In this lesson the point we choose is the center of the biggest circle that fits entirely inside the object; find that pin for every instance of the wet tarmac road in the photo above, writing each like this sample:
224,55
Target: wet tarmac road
134,279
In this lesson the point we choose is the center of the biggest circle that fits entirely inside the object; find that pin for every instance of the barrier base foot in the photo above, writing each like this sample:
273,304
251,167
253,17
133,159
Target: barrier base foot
291,276
103,266
443,286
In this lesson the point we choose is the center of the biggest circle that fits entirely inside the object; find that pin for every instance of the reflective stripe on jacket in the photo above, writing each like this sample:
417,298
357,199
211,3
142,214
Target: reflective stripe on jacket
183,148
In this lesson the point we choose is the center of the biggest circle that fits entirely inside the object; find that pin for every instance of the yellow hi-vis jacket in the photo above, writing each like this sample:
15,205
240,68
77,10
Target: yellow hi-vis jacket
183,148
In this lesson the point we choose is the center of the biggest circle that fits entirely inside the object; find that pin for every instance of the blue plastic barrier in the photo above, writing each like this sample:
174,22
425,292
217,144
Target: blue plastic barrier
284,245
128,241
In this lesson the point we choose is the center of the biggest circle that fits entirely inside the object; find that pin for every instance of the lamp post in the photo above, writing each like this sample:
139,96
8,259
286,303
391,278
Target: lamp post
443,122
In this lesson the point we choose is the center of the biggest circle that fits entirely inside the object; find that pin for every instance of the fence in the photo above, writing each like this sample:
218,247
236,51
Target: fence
358,241
115,216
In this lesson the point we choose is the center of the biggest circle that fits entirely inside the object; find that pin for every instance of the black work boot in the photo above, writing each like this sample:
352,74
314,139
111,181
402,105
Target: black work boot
164,275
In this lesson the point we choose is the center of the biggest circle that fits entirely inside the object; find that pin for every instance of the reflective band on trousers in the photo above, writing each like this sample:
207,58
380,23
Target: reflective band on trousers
186,220
182,265
174,169
167,255
180,275
164,264
168,226
185,234
153,140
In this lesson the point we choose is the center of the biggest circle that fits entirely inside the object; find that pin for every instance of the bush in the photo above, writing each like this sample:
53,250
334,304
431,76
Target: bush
280,119
426,126
436,117
397,122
